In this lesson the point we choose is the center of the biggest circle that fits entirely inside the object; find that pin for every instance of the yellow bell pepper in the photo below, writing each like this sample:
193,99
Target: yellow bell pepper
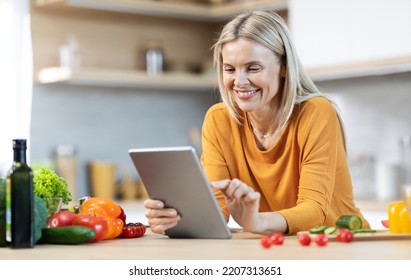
399,219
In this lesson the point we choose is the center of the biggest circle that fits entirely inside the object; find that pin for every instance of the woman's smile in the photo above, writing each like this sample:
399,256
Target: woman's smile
246,94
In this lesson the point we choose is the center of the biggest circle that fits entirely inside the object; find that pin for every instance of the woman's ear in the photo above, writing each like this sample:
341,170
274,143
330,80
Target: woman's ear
283,70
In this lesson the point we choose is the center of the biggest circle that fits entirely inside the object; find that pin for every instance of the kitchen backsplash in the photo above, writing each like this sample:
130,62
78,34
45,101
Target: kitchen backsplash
103,123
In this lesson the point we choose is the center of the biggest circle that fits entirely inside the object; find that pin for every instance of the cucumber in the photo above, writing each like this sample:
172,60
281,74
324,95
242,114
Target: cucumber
361,230
67,235
318,229
330,231
350,222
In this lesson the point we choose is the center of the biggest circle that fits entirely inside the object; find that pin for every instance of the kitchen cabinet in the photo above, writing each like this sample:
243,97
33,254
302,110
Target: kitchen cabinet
347,38
113,36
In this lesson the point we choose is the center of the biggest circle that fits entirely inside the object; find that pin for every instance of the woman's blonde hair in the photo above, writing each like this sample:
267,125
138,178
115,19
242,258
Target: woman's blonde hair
268,29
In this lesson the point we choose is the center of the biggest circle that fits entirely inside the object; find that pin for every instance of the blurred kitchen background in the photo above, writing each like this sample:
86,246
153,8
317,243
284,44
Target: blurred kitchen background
113,75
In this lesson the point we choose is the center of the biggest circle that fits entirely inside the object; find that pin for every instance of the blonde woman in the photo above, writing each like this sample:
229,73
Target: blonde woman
274,148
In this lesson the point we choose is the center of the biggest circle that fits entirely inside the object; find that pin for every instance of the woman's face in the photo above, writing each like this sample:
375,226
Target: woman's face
252,74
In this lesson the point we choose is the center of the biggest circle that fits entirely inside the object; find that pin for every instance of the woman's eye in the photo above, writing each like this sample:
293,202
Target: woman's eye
229,70
253,69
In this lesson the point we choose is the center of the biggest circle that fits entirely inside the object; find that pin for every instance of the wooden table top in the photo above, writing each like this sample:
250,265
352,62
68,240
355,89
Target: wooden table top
243,246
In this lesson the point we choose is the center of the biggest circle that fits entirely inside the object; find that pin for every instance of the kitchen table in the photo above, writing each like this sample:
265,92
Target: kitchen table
243,246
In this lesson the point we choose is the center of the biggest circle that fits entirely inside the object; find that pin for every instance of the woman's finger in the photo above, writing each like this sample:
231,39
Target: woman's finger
153,204
161,213
221,185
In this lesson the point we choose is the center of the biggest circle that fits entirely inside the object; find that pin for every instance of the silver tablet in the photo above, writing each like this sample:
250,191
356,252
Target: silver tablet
175,176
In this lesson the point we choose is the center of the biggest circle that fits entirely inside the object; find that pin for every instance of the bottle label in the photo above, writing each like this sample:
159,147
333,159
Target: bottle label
8,210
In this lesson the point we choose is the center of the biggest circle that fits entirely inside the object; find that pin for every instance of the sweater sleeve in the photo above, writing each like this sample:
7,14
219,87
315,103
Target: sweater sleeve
212,158
319,139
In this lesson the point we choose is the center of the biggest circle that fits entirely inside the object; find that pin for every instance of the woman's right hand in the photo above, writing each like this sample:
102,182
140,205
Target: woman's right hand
159,218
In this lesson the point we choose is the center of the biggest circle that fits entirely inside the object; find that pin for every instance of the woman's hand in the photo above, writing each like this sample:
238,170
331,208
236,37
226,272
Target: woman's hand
243,203
159,218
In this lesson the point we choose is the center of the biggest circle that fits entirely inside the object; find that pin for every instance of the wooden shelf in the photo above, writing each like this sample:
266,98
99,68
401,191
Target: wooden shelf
126,78
173,9
187,81
361,69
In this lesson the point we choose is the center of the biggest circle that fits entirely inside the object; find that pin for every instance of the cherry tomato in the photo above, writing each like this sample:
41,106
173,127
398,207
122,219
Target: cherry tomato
97,223
133,230
385,223
304,239
129,232
265,241
62,218
321,239
277,238
344,235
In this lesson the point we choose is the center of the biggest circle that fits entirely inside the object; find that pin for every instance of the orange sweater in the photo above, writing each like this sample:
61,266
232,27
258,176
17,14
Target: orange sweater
305,176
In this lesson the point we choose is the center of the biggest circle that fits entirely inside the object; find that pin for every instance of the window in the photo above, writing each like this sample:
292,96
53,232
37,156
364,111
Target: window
15,76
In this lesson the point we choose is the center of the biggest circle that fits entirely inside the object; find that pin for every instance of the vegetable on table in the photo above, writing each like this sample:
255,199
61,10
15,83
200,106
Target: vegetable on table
40,217
399,219
48,185
97,223
321,239
133,230
67,235
106,208
62,218
345,235
304,239
266,241
318,229
350,222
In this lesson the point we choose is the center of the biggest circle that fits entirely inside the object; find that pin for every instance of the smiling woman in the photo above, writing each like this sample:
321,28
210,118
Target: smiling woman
15,75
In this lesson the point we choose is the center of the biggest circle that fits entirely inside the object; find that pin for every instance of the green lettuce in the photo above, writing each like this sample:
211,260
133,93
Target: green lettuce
47,184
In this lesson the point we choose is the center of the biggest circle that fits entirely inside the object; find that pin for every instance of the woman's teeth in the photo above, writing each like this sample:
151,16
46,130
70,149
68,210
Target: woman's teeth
246,93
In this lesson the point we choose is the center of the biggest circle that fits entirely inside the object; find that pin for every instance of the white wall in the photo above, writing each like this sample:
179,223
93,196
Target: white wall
376,113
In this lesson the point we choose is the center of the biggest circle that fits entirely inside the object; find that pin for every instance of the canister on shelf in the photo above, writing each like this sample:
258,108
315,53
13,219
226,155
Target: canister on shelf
65,158
154,59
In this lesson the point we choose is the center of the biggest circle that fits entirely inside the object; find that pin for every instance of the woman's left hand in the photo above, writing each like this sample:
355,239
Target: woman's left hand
242,202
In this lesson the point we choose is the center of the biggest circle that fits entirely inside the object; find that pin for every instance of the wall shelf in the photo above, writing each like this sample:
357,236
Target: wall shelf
361,69
185,81
126,79
172,9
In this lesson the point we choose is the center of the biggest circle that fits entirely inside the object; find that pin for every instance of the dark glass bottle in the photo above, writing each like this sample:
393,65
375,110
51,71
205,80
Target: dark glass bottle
3,242
20,189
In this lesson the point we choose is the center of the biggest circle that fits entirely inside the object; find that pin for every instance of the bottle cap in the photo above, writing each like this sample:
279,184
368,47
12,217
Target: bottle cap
19,143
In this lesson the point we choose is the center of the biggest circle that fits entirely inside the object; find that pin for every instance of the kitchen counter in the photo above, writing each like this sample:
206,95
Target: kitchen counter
243,246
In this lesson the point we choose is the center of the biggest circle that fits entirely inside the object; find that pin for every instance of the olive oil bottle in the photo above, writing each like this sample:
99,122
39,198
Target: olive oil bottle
3,242
19,192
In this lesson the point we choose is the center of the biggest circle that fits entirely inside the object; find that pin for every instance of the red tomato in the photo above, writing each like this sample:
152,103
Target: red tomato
97,223
304,239
277,238
321,239
385,223
129,232
62,218
266,241
344,235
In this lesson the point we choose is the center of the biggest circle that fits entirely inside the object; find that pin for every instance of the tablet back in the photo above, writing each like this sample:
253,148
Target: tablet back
175,176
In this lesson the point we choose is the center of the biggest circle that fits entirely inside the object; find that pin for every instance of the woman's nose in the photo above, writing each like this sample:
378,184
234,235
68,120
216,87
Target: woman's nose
241,78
